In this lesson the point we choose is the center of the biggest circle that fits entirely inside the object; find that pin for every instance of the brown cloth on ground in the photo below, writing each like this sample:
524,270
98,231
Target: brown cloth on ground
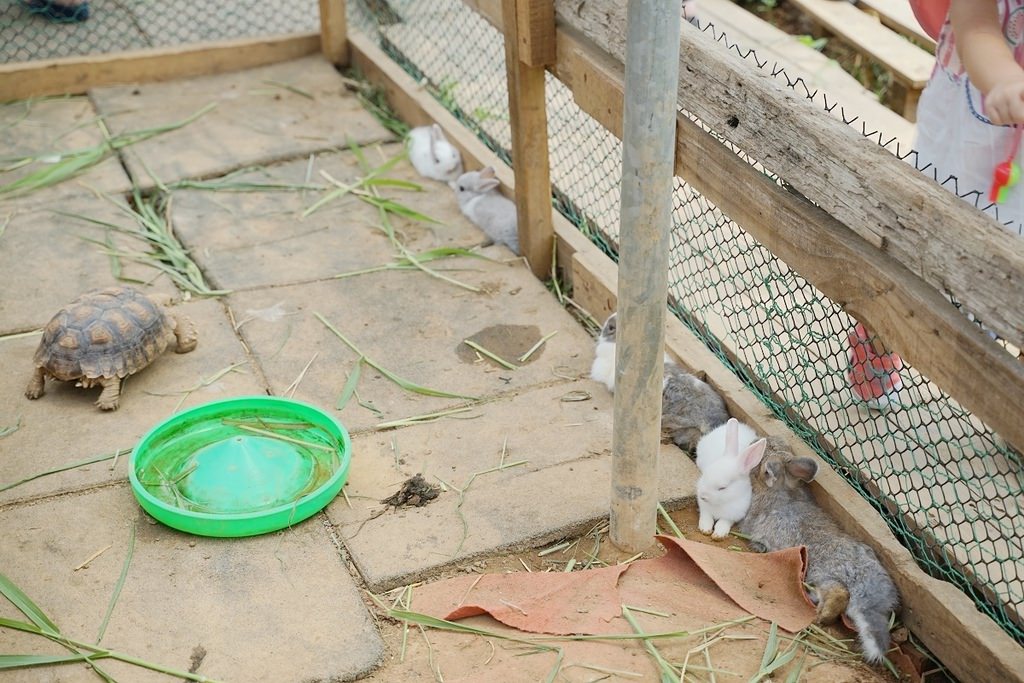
698,584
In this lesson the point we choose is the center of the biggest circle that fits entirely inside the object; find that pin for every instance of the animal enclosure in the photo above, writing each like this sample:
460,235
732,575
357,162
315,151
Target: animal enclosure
794,218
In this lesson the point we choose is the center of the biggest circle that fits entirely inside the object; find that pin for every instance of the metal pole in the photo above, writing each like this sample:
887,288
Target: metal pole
648,147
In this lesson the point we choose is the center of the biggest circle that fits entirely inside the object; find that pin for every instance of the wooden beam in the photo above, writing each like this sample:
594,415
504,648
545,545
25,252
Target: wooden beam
937,236
535,31
76,75
527,106
909,64
333,31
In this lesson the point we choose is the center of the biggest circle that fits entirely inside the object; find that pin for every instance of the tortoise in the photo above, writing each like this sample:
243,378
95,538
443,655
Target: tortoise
105,335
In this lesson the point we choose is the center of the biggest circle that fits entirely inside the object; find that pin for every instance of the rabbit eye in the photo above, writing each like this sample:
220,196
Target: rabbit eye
462,188
721,488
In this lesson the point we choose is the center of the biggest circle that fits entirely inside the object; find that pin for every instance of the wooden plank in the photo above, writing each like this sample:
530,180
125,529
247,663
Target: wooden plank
76,75
535,28
937,236
897,15
528,117
908,63
800,61
333,31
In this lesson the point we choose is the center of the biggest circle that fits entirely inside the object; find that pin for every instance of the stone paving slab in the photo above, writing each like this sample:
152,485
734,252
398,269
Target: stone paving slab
63,426
257,119
279,607
413,325
52,128
46,263
564,485
252,239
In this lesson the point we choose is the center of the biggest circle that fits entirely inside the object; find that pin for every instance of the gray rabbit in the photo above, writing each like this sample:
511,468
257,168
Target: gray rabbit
482,202
690,408
845,574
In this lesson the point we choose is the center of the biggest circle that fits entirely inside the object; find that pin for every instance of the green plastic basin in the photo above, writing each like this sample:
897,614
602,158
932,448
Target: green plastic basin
240,467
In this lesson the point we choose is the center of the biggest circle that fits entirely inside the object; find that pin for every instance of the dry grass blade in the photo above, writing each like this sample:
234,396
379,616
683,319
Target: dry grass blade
19,335
281,437
291,88
87,561
490,354
403,383
340,189
119,585
406,262
64,468
185,393
290,391
533,349
422,419
669,521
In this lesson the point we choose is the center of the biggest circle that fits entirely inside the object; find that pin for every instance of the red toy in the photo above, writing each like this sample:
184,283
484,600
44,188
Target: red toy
874,373
1007,173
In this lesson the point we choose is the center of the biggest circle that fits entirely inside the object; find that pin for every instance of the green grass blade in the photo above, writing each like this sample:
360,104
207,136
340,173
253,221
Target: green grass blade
350,386
22,661
403,383
26,606
394,182
118,586
20,625
69,466
771,648
489,354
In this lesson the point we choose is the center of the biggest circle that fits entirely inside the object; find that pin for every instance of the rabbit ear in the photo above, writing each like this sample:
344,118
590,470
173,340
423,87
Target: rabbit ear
803,469
771,471
487,172
732,438
486,184
752,455
436,133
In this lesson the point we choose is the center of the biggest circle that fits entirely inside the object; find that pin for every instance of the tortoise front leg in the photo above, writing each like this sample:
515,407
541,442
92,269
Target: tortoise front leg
184,333
36,385
110,397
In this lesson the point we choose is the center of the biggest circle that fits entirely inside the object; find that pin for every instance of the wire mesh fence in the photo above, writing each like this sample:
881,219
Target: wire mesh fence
948,487
51,29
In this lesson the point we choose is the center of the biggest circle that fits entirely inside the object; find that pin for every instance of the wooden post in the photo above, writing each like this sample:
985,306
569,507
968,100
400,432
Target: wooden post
529,46
333,32
648,142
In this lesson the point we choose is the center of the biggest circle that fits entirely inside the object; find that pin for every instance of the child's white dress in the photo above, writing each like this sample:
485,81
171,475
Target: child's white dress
956,138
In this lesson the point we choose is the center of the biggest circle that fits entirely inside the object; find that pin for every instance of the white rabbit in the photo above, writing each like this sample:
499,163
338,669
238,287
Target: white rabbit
603,368
724,489
432,155
482,202
716,442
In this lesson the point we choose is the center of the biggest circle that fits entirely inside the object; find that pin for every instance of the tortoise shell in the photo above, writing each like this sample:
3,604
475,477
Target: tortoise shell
110,332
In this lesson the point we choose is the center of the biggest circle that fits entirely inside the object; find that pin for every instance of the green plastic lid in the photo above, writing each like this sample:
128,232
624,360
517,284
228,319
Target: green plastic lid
240,467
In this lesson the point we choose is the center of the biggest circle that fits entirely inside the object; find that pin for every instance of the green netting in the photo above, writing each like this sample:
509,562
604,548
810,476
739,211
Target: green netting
31,29
948,487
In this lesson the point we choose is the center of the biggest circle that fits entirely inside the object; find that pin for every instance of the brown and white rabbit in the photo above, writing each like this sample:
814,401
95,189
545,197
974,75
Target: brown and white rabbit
845,574
690,408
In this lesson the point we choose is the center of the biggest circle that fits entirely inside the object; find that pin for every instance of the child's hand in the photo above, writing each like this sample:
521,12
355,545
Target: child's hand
1004,103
